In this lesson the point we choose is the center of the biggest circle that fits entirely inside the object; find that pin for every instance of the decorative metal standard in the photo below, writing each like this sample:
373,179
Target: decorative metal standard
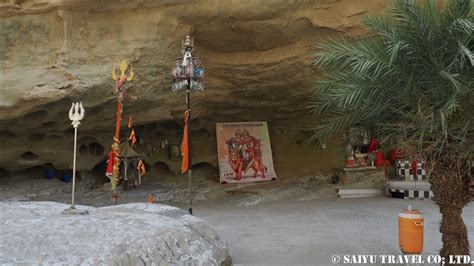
76,114
121,75
187,73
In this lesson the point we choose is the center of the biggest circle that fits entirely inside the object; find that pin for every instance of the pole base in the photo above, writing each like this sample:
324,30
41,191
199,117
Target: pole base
115,197
74,211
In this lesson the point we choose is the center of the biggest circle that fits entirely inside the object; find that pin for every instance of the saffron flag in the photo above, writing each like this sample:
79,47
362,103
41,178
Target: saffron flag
185,145
132,138
141,168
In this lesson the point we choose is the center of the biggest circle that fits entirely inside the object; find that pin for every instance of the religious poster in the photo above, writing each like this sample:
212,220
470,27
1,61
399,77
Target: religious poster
244,152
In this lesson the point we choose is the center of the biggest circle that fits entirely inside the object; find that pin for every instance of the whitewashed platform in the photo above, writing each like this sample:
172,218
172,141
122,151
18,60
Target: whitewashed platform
410,189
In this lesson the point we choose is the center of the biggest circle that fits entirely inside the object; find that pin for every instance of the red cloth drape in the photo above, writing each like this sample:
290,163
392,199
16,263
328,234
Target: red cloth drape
373,145
395,154
112,154
414,167
110,164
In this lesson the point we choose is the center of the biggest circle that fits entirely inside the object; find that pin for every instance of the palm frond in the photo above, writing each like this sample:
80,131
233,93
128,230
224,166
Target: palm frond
411,79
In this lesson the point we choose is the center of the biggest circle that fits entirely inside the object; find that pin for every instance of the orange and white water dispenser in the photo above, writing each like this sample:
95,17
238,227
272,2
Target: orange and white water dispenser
410,231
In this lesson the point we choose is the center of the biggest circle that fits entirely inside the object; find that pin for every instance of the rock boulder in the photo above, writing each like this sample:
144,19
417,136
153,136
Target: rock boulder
129,234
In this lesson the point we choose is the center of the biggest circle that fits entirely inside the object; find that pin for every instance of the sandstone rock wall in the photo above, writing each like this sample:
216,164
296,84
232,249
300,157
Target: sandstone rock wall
257,56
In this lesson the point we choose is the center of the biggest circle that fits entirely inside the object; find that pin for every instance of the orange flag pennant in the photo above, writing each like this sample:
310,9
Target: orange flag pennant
185,145
132,138
141,168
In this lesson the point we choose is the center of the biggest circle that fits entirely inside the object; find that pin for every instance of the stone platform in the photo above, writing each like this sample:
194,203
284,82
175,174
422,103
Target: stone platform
410,189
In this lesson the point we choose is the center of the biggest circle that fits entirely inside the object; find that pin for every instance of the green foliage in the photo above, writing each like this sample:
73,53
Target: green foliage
411,80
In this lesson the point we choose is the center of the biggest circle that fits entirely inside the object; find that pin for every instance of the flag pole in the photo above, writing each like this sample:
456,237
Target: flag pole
187,73
121,75
74,169
188,121
116,150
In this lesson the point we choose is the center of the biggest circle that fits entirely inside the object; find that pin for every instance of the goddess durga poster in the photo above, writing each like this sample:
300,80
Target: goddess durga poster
244,152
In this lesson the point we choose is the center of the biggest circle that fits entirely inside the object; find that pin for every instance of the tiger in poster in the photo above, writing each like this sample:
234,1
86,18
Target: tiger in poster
244,152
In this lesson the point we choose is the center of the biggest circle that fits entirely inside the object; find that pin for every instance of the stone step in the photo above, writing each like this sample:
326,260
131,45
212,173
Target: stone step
359,192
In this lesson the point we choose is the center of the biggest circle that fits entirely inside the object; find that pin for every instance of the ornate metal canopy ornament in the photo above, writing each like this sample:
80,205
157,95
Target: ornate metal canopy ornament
187,69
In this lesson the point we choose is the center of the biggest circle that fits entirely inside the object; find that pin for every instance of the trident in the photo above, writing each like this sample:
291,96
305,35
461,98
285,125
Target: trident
76,113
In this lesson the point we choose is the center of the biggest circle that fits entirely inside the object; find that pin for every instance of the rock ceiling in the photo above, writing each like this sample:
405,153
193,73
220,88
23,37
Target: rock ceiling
257,56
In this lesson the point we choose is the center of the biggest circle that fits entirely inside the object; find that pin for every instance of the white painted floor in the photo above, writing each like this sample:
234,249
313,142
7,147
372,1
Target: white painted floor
310,232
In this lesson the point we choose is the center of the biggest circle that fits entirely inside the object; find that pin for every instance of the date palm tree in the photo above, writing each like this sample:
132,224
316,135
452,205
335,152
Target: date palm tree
411,82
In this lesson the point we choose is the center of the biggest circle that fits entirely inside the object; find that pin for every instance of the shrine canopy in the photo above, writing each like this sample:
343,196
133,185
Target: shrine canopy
126,151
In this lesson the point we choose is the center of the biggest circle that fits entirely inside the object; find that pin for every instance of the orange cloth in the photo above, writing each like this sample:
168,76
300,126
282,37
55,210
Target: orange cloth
151,198
185,145
132,138
141,168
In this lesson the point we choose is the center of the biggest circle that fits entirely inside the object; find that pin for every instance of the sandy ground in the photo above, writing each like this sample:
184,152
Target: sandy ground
285,222
310,232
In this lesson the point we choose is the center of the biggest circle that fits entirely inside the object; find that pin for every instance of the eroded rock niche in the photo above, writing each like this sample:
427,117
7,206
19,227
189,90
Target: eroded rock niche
257,56
157,141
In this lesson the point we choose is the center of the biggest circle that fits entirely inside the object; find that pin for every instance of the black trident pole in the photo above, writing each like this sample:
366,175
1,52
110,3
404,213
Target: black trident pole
188,73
